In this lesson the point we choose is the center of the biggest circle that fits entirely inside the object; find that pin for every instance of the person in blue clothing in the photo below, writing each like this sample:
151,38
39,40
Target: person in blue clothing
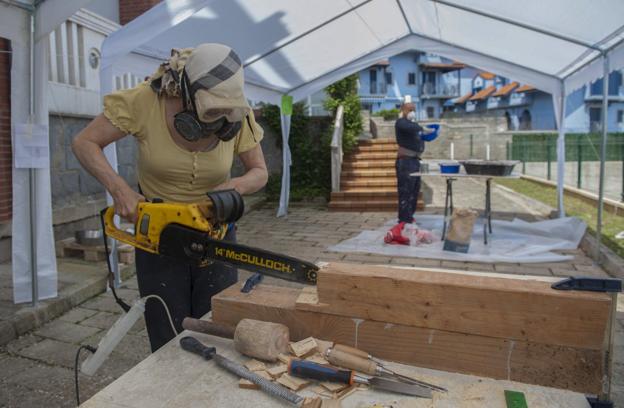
411,146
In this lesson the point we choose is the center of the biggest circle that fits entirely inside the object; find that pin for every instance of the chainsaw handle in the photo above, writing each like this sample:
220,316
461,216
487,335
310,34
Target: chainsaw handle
111,230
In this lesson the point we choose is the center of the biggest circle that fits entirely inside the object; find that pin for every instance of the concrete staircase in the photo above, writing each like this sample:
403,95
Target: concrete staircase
368,179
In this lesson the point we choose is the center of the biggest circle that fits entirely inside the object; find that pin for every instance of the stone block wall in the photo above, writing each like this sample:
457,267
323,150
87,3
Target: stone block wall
464,132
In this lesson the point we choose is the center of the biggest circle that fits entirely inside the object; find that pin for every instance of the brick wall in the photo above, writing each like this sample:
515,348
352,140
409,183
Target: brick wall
5,132
130,9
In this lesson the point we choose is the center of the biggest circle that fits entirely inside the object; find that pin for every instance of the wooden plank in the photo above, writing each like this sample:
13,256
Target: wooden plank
550,365
518,309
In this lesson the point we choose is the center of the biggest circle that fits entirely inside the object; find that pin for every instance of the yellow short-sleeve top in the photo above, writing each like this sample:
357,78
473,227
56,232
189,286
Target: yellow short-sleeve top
164,169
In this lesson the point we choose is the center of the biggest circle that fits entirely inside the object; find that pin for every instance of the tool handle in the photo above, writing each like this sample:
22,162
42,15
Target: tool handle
342,359
111,230
308,369
193,345
351,350
208,327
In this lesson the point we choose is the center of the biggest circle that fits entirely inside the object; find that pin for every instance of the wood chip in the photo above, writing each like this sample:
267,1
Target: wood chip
331,403
304,347
247,385
317,389
346,392
324,345
314,402
317,358
284,358
333,386
277,370
291,382
255,365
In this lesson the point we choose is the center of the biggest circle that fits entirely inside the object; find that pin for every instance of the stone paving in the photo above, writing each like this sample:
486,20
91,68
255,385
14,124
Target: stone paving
37,368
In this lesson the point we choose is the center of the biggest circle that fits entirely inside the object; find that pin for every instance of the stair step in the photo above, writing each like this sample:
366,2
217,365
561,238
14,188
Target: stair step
366,164
364,195
351,174
377,141
371,156
378,148
378,182
369,190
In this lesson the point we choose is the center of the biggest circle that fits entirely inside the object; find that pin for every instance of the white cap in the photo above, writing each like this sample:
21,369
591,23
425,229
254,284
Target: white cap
407,99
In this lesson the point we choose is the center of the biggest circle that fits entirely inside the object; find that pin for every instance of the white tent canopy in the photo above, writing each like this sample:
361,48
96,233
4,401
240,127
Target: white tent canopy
297,47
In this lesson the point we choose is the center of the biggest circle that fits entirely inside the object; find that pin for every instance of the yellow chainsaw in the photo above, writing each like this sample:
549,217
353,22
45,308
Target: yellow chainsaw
195,232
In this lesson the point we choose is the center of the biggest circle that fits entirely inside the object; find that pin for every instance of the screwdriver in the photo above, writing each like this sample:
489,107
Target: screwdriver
308,369
354,359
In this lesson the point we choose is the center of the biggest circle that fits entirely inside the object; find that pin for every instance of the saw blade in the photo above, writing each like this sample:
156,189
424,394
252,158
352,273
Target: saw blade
186,243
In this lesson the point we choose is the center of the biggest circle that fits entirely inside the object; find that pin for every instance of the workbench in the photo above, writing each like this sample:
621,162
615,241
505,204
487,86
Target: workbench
448,201
174,378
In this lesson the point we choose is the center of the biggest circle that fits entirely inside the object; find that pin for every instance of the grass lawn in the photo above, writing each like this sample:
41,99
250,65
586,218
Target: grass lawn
611,224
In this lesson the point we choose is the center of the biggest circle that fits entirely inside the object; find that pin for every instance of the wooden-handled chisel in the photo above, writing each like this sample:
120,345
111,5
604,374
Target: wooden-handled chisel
307,369
355,359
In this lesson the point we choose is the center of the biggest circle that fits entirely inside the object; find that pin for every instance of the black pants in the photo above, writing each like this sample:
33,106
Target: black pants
186,289
408,187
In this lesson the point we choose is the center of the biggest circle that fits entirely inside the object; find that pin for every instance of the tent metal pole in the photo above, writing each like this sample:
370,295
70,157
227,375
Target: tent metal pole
561,152
32,176
603,150
518,24
407,23
605,52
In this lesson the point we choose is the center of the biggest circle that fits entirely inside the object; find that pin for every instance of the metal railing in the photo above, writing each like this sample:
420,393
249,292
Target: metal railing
336,149
539,158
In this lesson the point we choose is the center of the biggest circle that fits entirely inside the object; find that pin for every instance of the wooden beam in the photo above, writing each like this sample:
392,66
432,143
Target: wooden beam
508,308
571,368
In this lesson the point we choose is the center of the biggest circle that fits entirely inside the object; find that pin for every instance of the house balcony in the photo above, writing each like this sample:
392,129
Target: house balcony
520,98
494,102
430,90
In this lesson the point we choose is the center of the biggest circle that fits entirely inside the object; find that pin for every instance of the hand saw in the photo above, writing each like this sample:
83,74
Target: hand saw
195,232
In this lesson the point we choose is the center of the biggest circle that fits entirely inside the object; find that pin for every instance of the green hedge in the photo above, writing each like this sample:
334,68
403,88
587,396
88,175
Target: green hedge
310,172
537,147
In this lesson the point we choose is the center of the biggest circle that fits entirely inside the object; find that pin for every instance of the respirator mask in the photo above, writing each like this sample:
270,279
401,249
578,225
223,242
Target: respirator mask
188,124
411,116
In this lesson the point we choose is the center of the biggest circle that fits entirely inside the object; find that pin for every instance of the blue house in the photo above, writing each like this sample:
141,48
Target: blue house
438,85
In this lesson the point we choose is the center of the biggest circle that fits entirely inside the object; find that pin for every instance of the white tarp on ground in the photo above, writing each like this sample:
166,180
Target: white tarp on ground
514,241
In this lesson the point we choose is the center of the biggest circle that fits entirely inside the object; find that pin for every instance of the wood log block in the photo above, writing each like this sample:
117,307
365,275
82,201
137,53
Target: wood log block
507,307
263,340
578,369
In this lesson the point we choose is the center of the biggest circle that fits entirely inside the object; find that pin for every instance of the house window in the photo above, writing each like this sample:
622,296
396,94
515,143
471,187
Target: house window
595,119
525,120
388,77
620,116
430,112
411,78
373,81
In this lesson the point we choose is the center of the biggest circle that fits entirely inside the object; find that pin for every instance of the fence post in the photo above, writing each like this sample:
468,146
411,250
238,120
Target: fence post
524,156
548,175
507,151
622,153
471,146
579,163
336,149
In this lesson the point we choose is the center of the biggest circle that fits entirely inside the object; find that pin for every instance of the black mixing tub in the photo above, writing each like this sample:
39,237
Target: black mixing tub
489,167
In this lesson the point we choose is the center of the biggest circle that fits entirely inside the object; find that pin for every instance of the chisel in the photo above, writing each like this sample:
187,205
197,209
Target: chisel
307,369
354,359
210,353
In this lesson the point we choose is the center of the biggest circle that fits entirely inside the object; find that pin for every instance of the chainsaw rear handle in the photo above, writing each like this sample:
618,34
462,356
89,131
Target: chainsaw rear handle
111,230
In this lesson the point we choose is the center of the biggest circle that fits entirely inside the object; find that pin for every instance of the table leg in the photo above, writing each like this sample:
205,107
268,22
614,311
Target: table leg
446,206
489,203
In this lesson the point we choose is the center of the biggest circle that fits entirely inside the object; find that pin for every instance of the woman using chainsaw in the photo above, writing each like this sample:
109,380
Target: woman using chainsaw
189,119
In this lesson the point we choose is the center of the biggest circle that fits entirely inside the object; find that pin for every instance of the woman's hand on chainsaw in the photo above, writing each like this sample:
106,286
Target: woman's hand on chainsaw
126,202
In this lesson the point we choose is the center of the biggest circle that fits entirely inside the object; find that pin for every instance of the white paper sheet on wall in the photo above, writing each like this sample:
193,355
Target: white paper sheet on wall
31,146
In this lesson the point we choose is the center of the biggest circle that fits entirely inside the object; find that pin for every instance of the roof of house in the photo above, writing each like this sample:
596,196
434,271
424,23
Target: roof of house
486,75
443,66
484,93
383,62
464,98
505,90
525,88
